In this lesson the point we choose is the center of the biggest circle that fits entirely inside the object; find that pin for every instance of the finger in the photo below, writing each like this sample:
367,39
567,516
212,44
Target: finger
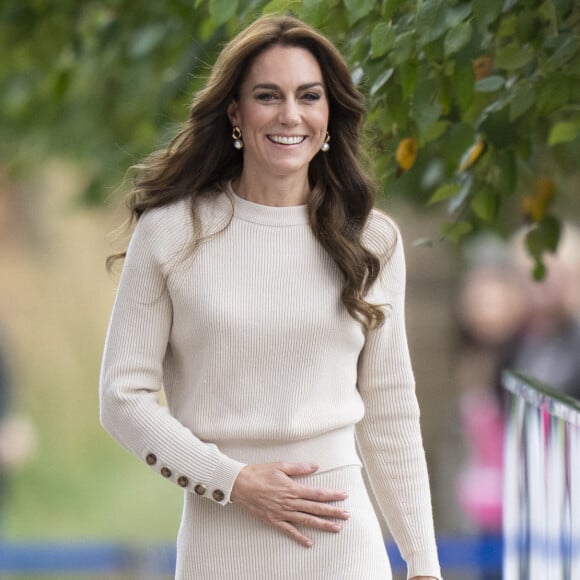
297,469
293,533
310,521
319,494
319,509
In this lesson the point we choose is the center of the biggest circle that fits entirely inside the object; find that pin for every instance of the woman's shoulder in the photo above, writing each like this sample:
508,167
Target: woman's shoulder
381,234
177,220
162,224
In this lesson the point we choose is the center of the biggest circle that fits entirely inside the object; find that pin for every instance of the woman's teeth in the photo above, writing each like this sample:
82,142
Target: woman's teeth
285,140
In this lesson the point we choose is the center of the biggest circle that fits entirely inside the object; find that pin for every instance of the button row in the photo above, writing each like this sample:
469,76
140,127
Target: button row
182,481
217,494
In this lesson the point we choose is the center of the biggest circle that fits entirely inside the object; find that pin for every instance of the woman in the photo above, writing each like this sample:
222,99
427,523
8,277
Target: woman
265,295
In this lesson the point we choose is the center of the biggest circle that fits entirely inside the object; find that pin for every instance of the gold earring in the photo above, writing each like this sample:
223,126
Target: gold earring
326,146
237,137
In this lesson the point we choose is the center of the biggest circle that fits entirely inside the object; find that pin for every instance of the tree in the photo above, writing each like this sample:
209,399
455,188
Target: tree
472,103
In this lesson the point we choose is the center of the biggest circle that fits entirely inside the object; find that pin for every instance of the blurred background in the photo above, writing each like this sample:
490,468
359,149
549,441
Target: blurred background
474,124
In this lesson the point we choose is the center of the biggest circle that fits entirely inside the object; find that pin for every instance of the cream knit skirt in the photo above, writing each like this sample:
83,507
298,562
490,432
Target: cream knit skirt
225,543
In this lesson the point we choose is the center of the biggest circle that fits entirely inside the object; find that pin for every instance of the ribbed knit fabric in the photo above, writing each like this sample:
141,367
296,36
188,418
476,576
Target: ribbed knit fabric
260,362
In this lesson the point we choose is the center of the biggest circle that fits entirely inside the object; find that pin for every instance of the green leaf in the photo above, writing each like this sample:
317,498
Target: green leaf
513,57
390,8
381,80
403,47
409,73
426,116
523,100
454,231
222,10
539,272
431,20
567,46
485,204
485,12
457,14
464,84
506,176
563,132
457,37
543,237
496,127
459,199
444,192
280,6
490,84
382,39
433,132
357,9
555,92
146,40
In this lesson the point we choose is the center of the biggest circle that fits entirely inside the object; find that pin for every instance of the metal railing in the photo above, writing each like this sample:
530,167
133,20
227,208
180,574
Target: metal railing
541,517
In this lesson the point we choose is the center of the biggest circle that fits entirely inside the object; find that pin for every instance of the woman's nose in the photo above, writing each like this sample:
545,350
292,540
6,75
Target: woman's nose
289,113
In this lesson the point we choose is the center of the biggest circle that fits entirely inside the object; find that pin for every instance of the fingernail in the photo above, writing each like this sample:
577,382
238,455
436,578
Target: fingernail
313,466
346,514
336,527
344,495
309,543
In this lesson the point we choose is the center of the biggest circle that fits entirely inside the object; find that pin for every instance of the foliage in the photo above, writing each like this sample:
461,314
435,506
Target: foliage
484,90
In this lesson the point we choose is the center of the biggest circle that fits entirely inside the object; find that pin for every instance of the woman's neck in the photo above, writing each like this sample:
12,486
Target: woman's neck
274,191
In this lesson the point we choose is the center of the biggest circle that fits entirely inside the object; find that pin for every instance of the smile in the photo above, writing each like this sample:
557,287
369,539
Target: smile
282,140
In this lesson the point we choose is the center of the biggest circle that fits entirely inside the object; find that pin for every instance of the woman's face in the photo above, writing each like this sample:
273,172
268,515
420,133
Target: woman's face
282,110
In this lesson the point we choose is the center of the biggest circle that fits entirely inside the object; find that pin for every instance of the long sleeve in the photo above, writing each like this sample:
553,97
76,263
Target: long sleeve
389,436
138,341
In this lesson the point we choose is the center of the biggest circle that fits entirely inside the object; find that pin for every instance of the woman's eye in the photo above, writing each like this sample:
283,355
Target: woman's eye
311,96
265,96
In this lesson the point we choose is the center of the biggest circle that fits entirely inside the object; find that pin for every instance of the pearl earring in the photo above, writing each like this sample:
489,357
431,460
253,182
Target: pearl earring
325,146
237,137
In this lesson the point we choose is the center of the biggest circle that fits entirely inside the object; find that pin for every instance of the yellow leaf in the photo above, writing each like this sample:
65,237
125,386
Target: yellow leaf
472,156
406,153
533,209
545,189
535,206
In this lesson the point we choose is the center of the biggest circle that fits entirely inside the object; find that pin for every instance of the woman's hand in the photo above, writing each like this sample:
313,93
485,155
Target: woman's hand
268,492
423,578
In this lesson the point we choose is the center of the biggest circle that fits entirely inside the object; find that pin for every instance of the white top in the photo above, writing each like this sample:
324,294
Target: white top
261,362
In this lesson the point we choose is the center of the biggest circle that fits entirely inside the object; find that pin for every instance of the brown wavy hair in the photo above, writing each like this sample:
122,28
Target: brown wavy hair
201,157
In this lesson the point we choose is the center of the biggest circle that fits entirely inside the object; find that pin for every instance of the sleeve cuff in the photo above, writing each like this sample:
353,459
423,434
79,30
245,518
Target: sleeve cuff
223,478
423,564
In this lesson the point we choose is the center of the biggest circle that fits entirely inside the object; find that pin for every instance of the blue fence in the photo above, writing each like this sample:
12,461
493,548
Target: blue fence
460,555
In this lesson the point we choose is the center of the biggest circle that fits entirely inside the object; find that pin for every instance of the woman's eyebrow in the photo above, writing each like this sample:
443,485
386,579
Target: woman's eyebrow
270,86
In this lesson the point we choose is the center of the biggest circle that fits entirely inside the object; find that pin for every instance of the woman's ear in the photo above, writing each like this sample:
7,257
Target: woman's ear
233,112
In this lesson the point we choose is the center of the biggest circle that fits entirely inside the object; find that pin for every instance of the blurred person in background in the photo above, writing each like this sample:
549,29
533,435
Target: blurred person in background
509,321
548,346
491,311
264,293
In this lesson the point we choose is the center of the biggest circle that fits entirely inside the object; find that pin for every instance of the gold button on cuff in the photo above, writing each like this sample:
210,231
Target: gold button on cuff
199,489
166,472
151,459
182,481
218,494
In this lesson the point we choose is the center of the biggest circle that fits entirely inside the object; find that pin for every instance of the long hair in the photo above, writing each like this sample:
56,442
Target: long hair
201,156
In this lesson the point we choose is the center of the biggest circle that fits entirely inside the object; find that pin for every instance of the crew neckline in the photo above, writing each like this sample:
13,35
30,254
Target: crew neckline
288,215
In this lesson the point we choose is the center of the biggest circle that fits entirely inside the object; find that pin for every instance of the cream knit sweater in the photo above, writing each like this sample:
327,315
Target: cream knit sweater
260,361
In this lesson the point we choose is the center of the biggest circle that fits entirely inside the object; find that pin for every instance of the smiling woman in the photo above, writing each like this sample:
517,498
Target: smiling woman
264,294
282,114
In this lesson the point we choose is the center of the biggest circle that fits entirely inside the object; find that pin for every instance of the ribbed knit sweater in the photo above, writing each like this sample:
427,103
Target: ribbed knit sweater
260,361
